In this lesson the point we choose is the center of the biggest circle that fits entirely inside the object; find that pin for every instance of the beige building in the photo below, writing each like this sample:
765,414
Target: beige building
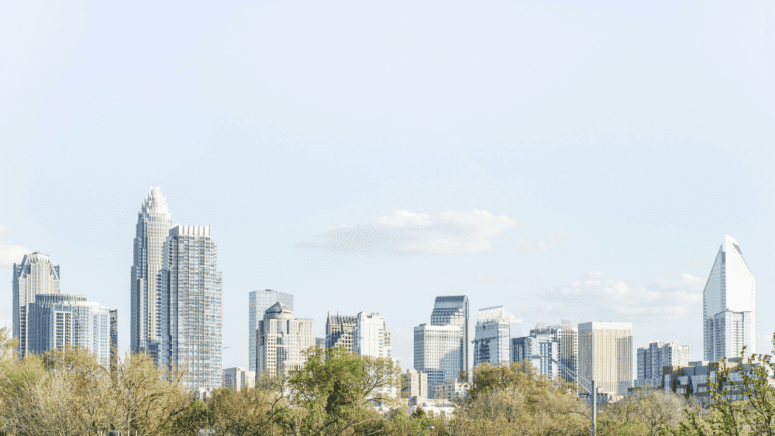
282,340
415,384
452,390
605,355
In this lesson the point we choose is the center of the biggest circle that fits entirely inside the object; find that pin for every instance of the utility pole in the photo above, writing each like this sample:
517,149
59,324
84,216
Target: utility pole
592,392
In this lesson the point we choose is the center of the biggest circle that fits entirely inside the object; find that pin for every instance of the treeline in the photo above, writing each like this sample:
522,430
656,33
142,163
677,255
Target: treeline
69,393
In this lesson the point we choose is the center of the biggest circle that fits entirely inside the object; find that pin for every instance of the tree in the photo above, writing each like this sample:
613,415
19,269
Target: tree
654,409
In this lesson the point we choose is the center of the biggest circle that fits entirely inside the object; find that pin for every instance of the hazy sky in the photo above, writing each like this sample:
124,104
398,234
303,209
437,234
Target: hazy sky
567,159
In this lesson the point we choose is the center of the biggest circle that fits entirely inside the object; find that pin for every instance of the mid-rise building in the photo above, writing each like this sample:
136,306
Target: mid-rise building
495,327
258,303
653,358
452,390
371,336
191,307
437,353
282,340
415,384
239,378
153,225
453,310
34,276
57,321
729,305
340,331
541,350
605,355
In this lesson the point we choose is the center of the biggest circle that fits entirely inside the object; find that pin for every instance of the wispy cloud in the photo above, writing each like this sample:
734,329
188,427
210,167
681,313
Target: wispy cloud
552,242
484,278
9,253
405,232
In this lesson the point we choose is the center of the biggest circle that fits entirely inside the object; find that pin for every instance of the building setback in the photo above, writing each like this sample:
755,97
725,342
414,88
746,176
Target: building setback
340,331
541,350
259,301
282,340
568,338
35,275
605,355
495,327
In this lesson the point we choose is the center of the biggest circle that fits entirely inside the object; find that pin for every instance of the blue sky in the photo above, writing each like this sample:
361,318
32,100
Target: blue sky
567,159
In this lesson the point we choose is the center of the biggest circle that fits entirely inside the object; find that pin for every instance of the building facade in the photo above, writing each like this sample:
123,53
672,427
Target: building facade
415,384
258,303
495,326
541,350
239,378
191,307
282,340
452,390
729,305
437,353
453,310
58,321
371,336
605,355
153,225
340,331
114,339
653,358
35,275
568,338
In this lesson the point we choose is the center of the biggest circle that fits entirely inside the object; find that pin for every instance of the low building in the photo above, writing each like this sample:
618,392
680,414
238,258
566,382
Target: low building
239,378
415,384
452,390
434,408
694,379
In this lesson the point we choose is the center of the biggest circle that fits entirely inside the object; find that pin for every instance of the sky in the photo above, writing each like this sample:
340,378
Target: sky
569,159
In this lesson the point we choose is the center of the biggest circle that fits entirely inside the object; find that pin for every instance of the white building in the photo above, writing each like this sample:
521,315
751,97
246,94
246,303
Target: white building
658,355
259,301
541,350
437,353
453,310
153,225
415,384
282,340
35,275
605,355
239,378
729,305
57,321
371,336
495,327
191,307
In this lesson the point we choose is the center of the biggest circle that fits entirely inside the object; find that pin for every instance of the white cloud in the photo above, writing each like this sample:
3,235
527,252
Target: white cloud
552,242
9,253
484,278
404,232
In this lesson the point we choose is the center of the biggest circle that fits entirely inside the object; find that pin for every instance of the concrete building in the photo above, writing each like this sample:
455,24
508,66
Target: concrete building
239,378
453,310
258,302
34,276
153,225
437,353
568,338
191,307
57,321
658,355
371,336
320,343
113,340
541,350
282,339
340,331
605,355
415,384
452,390
692,380
495,327
729,305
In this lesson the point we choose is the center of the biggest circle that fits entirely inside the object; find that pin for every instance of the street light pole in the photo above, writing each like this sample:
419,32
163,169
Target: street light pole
594,409
592,393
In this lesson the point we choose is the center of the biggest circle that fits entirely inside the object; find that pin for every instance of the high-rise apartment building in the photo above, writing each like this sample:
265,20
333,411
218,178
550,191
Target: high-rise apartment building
658,355
35,275
153,225
191,307
541,350
282,340
437,353
340,331
371,336
495,326
258,303
729,305
453,310
57,321
568,338
605,355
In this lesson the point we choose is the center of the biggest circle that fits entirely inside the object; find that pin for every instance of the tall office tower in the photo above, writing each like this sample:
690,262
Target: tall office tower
191,307
415,384
453,310
495,327
259,302
35,275
153,225
729,305
605,355
340,331
437,353
541,350
59,320
113,340
282,340
652,359
238,378
371,336
568,337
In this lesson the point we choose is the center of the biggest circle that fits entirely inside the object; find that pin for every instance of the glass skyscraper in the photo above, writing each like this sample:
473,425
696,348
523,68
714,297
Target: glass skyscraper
191,307
729,305
568,338
453,310
495,327
259,302
153,224
35,275
437,353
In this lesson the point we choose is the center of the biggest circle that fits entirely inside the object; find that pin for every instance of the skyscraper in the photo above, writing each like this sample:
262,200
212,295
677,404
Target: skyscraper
568,338
340,331
541,350
260,301
657,355
729,305
191,307
153,224
35,275
495,326
453,310
282,340
437,353
605,355
371,336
